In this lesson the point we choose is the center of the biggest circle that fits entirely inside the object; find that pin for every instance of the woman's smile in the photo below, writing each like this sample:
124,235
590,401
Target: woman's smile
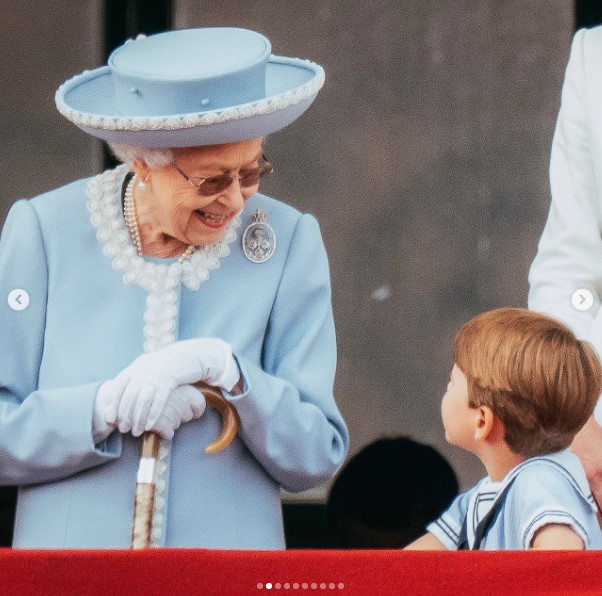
212,220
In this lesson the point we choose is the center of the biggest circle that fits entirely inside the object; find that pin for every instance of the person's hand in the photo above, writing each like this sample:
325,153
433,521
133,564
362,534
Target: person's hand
184,404
587,446
142,389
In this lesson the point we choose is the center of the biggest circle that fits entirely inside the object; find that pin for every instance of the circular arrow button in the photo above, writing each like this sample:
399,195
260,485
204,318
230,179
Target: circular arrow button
18,299
582,299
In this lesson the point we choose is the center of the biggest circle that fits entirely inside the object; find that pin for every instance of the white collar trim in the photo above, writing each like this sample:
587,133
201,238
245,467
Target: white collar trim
104,192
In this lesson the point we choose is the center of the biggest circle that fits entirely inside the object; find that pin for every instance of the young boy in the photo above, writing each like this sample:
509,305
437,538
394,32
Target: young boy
521,388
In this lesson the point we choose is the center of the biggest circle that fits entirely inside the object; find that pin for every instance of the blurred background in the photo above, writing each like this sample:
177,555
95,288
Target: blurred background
424,158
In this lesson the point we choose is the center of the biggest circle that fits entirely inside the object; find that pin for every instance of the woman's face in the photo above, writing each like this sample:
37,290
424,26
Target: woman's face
172,206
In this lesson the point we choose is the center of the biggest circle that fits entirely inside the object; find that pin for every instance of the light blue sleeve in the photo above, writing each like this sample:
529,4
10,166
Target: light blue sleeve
44,434
541,496
289,419
447,527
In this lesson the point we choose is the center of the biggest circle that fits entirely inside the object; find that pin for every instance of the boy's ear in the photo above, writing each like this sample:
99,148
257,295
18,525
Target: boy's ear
485,422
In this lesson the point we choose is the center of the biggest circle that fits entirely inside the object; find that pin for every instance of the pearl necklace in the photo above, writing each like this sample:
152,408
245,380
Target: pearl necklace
131,222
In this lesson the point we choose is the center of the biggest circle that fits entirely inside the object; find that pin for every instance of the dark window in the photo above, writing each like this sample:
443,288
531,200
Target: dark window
588,13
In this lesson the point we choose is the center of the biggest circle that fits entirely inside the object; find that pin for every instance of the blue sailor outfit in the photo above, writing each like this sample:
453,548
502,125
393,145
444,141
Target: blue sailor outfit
539,491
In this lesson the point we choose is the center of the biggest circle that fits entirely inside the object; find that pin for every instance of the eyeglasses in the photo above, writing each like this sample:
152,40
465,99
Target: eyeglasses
216,184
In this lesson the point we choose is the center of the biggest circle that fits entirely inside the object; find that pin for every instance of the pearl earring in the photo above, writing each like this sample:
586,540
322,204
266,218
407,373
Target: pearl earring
141,185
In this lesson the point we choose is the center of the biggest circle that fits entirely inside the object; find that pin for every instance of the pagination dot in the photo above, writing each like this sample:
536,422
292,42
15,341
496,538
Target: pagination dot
297,586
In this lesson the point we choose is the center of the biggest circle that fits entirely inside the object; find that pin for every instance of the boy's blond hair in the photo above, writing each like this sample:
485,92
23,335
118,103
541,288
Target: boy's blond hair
534,374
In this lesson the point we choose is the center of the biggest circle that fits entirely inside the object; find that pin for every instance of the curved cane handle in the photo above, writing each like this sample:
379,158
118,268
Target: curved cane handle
227,411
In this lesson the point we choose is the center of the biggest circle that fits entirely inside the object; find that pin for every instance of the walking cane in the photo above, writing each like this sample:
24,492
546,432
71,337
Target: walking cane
149,452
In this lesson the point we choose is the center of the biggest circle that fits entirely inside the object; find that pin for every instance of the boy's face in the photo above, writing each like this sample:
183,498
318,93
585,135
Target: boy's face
457,416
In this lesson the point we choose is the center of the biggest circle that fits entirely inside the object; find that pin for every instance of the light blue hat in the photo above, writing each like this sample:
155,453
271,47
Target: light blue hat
190,87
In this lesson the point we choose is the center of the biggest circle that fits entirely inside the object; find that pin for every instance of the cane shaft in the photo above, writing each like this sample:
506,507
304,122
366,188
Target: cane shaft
145,491
145,483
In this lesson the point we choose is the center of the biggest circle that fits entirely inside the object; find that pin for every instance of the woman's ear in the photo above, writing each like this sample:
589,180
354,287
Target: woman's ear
141,169
485,423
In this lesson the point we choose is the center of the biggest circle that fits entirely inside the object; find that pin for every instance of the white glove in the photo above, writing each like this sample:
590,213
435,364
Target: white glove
142,389
184,404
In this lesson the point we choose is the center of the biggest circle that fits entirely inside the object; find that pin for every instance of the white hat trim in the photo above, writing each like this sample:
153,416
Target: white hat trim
183,121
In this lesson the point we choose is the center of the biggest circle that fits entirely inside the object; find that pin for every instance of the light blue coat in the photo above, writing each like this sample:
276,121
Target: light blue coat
84,324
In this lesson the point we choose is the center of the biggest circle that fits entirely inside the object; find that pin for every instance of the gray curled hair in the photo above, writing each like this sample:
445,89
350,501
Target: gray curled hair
153,157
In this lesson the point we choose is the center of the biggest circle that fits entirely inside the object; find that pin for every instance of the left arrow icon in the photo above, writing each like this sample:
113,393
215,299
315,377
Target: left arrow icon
18,299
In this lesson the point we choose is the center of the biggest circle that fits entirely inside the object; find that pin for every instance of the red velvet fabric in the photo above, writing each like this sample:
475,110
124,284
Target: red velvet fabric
163,572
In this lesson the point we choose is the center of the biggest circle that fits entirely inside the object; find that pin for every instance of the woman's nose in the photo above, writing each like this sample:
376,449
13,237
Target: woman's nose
232,196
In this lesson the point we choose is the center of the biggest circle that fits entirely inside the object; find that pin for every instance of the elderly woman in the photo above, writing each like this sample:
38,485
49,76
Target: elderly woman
123,290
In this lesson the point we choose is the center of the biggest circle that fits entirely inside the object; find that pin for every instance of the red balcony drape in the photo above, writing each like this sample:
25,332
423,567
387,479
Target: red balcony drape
164,572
